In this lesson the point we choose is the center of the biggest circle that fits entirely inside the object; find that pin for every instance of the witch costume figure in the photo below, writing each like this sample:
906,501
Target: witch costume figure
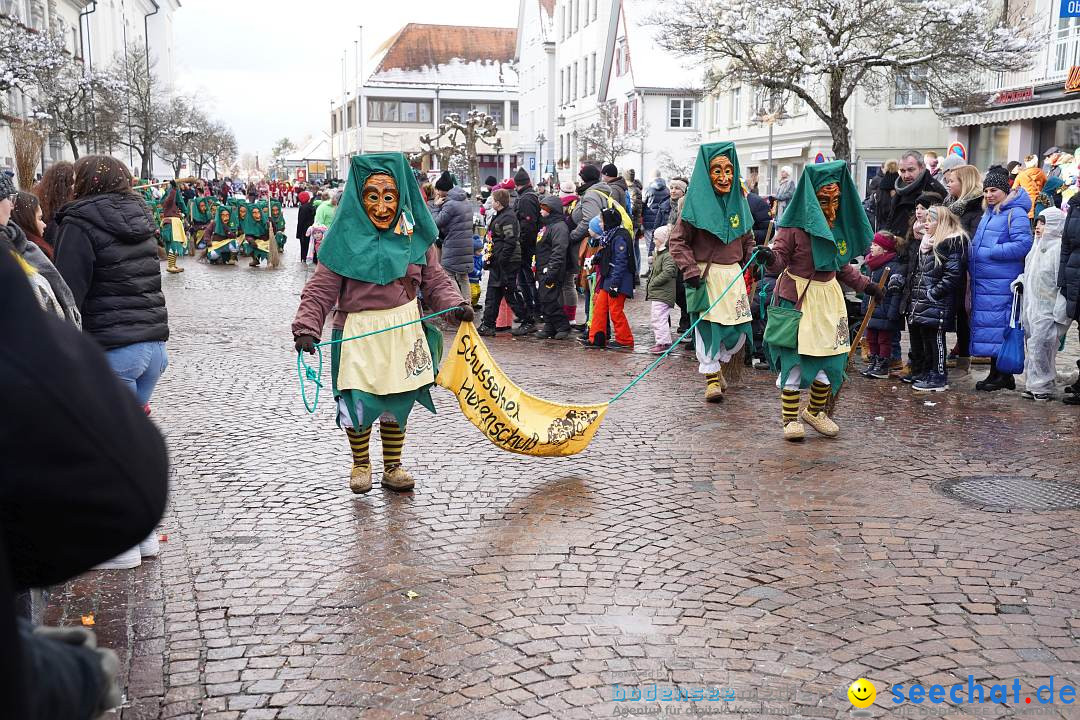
822,229
224,245
173,211
376,260
710,243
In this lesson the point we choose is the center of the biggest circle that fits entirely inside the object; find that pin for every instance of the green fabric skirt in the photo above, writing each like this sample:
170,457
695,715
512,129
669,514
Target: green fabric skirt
715,336
364,408
782,360
171,246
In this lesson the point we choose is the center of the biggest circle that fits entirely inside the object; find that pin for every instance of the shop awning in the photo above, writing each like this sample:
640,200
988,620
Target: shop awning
781,152
1023,112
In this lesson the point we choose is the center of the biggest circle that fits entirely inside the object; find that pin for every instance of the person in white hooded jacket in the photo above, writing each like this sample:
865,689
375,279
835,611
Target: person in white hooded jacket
1042,314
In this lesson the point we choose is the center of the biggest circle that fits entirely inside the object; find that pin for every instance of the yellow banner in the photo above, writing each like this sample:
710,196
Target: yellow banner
508,416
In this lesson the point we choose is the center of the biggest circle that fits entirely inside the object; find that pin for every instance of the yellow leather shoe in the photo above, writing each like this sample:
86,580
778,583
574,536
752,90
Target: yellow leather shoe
794,431
714,392
820,422
396,478
360,479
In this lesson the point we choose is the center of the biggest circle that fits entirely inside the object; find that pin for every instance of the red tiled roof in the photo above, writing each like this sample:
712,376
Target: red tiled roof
416,46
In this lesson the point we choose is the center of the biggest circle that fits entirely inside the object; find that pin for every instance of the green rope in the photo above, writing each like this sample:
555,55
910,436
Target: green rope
689,330
306,372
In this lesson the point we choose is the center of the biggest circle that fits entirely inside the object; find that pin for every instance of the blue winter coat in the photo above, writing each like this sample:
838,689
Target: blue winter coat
886,312
455,220
617,264
999,247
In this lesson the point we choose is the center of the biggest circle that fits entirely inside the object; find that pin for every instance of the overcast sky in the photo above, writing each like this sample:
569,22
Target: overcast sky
269,68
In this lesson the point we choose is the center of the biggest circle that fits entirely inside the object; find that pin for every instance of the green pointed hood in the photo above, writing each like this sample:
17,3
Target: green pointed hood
356,249
850,235
725,216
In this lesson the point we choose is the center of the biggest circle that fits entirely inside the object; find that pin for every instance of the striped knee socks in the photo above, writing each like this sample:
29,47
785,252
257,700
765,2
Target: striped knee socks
789,405
393,441
819,395
358,443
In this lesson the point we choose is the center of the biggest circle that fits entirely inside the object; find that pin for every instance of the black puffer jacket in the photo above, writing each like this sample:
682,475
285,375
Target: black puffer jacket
107,254
1069,266
553,248
933,292
505,247
528,217
887,311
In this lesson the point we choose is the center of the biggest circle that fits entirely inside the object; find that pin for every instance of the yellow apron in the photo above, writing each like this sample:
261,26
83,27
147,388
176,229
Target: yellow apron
823,329
392,362
734,309
216,246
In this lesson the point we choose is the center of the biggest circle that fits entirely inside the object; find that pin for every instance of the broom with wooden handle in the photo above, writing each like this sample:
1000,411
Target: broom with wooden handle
830,406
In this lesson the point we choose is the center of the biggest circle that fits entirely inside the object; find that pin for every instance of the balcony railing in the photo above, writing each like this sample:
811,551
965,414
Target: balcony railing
1051,64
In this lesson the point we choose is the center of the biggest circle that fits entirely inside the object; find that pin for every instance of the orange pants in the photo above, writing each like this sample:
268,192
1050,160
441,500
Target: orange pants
603,306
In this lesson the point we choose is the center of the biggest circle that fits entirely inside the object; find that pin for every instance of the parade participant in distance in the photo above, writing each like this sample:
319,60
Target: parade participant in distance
376,259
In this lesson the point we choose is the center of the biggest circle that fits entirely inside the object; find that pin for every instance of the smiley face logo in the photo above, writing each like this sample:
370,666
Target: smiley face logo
861,693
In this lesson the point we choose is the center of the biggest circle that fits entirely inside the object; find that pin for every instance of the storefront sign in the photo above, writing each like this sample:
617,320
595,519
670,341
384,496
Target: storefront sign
1008,97
301,175
1072,84
1070,8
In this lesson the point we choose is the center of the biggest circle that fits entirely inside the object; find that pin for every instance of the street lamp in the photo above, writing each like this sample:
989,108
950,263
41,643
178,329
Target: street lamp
540,140
773,116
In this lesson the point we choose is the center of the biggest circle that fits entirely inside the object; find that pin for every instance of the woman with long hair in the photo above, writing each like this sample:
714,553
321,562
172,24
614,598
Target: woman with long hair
54,190
107,253
938,267
966,202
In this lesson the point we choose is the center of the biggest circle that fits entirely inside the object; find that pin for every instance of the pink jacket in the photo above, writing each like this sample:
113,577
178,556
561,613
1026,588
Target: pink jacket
326,291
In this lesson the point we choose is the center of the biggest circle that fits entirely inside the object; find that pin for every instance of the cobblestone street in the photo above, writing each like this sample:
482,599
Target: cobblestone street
689,545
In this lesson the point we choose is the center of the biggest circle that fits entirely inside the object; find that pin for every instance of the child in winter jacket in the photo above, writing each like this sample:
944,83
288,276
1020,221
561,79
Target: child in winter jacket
938,268
614,264
1044,314
886,319
660,290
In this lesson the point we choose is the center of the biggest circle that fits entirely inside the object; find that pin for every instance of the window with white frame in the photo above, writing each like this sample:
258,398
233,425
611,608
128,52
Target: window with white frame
908,92
573,93
681,113
593,9
592,75
562,87
735,111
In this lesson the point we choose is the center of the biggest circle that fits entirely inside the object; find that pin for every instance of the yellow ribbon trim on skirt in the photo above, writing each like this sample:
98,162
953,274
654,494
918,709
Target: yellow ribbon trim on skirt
509,417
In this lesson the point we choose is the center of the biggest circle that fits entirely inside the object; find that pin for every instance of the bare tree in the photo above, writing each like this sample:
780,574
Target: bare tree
603,141
458,137
141,106
178,144
822,51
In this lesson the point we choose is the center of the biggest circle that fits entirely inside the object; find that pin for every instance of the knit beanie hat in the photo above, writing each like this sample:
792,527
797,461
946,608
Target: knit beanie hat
7,186
887,241
304,197
490,181
610,219
594,226
445,181
521,178
952,160
660,236
997,177
589,173
929,199
610,170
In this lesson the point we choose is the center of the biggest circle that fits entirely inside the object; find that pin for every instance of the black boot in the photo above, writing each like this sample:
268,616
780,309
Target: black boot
1074,389
485,330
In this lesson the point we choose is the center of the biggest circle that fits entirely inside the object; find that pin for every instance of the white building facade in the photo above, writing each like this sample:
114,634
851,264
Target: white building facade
604,55
904,120
536,139
1033,109
95,32
423,74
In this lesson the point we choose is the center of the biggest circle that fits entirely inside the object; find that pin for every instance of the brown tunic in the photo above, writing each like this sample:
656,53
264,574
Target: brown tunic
690,245
793,253
326,291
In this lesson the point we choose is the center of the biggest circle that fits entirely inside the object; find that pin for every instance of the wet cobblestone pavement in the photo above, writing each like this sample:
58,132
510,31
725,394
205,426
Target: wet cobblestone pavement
689,545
